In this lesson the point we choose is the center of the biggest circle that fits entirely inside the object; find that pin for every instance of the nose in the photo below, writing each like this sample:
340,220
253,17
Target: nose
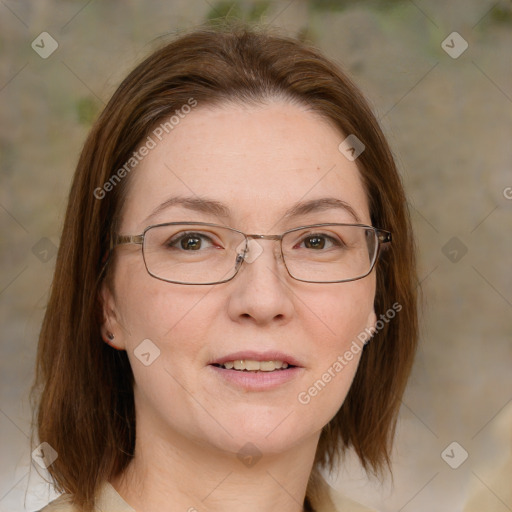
261,290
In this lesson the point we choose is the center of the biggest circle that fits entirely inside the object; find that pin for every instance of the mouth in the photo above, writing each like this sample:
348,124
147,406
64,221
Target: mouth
254,366
252,361
257,371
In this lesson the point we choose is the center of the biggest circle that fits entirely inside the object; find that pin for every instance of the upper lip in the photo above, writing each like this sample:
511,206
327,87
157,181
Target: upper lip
270,355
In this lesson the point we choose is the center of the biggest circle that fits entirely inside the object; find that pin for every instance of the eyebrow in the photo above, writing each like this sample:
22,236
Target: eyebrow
319,205
218,209
198,204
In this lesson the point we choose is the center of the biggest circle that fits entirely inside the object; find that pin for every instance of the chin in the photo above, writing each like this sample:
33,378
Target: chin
270,437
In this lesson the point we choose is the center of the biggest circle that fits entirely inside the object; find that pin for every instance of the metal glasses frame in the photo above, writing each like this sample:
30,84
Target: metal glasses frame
382,237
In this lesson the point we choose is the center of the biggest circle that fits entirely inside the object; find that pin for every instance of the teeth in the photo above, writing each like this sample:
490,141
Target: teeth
254,366
267,366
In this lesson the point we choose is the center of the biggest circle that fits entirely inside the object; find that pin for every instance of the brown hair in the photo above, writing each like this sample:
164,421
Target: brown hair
86,406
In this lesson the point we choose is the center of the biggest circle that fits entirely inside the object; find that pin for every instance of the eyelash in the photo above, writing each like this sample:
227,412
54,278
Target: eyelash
333,240
191,234
184,235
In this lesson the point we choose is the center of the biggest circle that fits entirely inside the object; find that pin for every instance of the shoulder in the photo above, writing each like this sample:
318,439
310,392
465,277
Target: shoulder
342,503
63,503
323,498
107,500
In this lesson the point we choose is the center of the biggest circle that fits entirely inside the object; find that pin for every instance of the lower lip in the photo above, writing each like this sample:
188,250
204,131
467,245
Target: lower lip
257,381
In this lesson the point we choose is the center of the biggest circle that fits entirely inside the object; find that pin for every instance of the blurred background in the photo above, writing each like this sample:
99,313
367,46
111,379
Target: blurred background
439,77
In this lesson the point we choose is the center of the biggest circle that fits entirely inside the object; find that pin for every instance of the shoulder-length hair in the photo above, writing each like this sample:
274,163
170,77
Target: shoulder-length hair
83,386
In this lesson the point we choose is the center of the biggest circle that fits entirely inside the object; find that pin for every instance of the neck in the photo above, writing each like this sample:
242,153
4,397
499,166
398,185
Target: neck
175,473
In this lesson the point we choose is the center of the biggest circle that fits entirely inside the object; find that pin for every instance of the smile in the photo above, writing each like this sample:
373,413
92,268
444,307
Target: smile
253,370
250,365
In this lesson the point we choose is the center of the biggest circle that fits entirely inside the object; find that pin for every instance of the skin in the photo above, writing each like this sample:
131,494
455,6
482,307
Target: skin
259,161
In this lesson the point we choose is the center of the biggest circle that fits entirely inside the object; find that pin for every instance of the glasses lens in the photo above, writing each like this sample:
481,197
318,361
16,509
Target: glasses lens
192,253
330,253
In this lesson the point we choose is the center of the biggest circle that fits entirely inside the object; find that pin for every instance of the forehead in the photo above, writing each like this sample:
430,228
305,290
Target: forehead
258,161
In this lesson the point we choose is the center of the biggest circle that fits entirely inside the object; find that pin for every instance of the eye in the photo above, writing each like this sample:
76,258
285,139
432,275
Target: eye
319,241
190,241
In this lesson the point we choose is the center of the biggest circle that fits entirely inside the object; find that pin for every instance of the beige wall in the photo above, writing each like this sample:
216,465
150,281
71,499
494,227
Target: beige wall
449,121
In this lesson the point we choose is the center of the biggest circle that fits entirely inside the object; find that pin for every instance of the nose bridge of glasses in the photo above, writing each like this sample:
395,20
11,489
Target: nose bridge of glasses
252,249
265,237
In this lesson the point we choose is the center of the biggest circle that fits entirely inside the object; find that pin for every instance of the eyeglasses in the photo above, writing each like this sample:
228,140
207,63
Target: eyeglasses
203,253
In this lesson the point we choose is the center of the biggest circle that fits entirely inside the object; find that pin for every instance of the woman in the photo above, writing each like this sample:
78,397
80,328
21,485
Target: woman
219,327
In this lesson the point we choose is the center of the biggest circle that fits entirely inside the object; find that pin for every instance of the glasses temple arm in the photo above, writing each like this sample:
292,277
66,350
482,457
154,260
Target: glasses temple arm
126,239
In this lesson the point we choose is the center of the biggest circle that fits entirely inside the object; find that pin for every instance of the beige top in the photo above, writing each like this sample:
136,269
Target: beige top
322,497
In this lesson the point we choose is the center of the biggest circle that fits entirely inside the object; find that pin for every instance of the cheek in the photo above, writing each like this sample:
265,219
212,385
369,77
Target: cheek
342,315
341,312
152,309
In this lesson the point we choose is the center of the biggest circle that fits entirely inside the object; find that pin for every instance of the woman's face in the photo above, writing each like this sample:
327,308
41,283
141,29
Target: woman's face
259,162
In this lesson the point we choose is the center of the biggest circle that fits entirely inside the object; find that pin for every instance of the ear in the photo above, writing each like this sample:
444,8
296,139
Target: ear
111,329
372,320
